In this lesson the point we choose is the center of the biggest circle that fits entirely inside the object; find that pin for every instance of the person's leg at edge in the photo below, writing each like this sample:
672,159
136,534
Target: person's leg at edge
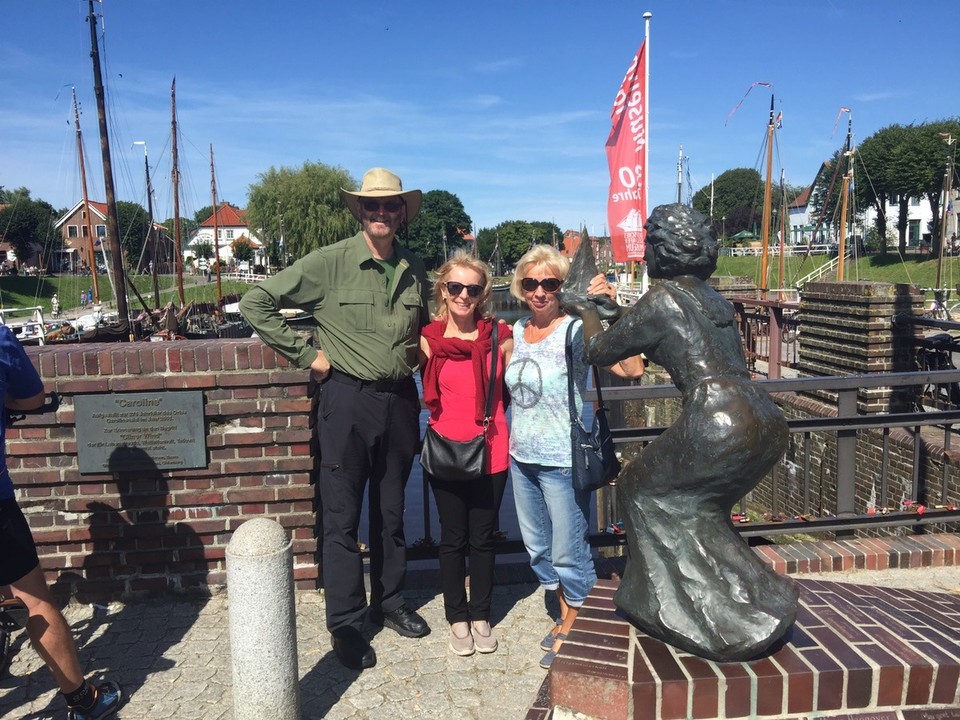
48,630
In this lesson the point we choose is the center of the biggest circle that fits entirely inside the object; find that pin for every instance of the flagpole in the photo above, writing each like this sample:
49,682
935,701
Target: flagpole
644,280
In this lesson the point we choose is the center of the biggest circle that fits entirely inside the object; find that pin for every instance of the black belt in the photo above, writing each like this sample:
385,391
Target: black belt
392,386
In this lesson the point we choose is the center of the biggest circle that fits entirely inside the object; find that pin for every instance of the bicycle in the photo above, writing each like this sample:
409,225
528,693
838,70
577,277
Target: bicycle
936,353
938,309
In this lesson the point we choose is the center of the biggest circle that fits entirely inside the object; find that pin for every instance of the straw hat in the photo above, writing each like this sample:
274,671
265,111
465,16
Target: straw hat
379,183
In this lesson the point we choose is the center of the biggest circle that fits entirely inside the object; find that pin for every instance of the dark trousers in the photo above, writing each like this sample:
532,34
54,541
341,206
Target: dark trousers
468,517
364,433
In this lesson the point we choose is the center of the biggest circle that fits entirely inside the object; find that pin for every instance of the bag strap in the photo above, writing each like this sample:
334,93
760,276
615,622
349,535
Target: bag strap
494,351
596,378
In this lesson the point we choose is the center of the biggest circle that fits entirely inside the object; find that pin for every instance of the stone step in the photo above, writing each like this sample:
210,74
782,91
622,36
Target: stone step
855,651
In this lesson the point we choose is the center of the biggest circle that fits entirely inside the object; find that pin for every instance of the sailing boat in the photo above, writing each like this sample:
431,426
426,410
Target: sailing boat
96,326
221,321
100,327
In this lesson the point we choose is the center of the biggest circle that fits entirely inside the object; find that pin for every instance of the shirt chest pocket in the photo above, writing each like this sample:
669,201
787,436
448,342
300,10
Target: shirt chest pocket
356,306
412,304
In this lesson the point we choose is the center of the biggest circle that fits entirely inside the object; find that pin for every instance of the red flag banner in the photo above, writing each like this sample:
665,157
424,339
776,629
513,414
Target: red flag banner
626,204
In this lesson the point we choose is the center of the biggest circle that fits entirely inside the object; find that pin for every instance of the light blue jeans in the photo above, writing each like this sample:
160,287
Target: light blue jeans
554,525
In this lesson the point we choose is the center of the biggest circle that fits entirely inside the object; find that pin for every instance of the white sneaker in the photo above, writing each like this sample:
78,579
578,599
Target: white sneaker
461,641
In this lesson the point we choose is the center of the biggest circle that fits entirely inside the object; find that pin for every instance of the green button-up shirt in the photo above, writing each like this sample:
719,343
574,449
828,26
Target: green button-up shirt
365,328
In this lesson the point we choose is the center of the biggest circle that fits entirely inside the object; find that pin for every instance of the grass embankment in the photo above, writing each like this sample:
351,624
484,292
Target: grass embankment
19,291
913,269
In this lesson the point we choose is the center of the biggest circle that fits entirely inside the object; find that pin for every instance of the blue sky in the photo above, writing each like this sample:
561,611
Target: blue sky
504,103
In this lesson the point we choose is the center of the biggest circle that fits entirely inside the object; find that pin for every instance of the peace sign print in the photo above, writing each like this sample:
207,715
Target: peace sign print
527,389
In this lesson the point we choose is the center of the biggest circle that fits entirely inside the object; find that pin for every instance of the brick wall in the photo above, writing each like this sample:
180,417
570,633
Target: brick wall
133,533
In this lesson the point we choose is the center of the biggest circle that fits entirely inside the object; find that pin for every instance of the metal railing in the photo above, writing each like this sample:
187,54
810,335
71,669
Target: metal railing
844,430
770,331
934,426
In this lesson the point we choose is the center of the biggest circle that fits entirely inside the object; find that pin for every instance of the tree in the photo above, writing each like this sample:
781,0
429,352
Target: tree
301,206
203,250
930,140
737,197
515,237
242,249
134,225
874,184
441,216
187,227
202,214
29,226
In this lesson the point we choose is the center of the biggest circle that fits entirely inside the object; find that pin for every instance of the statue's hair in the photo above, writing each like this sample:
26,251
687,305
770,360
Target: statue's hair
461,258
682,241
546,255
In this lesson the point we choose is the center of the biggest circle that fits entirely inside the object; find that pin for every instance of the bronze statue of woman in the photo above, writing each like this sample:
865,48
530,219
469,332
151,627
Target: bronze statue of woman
690,579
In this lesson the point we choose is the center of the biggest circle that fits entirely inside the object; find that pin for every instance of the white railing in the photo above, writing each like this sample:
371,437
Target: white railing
788,250
28,329
251,278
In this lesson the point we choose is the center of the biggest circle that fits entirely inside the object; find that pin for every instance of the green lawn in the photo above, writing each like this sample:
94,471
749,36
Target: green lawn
913,269
19,291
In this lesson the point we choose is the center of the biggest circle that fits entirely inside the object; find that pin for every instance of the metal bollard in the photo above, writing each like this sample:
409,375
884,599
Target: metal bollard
262,617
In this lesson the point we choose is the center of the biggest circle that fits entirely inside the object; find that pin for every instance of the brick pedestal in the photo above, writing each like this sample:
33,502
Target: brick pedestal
855,651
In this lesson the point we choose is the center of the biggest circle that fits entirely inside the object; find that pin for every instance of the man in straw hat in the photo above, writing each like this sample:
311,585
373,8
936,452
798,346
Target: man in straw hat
368,295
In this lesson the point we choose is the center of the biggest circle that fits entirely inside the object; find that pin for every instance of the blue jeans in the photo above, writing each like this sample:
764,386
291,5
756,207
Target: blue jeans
554,525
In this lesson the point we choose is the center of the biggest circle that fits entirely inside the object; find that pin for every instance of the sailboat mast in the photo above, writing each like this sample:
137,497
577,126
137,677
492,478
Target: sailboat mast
86,203
113,227
783,229
765,232
216,230
680,177
176,193
845,193
947,191
151,232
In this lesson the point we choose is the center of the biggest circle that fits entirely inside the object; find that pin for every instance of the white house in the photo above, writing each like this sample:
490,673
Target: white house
231,224
919,218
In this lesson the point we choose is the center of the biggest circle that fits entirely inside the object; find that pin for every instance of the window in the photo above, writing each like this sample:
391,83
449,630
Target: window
914,232
229,234
101,231
71,231
914,202
86,233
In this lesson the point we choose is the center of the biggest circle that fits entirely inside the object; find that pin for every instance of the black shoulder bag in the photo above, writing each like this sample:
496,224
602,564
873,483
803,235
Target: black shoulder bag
595,462
462,461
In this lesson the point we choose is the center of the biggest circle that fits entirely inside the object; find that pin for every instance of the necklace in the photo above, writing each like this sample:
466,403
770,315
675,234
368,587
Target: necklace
534,334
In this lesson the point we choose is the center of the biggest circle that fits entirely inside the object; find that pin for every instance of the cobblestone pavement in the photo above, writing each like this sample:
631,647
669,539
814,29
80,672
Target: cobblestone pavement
173,659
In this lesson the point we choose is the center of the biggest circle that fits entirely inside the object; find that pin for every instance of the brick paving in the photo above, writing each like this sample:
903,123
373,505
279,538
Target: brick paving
172,654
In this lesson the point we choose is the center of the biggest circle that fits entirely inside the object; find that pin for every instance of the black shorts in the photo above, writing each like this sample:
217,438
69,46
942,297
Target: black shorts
18,552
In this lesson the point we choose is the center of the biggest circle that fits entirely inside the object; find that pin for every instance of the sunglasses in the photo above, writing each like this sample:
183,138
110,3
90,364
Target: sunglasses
549,285
391,206
455,288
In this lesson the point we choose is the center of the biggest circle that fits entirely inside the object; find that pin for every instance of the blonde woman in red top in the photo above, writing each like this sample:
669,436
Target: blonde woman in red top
455,356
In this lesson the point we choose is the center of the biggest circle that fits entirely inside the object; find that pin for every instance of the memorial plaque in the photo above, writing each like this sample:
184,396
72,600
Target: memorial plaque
166,427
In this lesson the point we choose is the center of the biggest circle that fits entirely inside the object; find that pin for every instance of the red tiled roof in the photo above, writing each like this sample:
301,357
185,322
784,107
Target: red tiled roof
802,199
227,216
